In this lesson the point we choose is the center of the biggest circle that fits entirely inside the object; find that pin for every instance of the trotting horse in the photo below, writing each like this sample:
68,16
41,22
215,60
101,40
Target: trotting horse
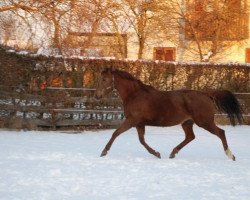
145,105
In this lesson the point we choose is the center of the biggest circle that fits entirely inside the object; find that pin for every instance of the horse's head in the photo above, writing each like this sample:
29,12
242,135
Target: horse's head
105,84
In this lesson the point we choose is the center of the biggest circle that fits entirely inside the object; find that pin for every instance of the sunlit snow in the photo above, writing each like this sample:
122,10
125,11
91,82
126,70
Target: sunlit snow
59,165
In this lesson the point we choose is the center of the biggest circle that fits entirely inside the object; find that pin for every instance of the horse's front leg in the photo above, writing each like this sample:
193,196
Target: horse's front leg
141,133
126,125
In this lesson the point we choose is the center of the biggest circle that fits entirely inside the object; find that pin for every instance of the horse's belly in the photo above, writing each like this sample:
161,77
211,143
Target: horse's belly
175,121
168,120
163,113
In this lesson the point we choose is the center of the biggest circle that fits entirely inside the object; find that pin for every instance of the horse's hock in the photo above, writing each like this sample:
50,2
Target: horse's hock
39,91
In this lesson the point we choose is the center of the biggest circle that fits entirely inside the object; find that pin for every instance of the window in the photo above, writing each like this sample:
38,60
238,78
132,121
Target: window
247,55
165,53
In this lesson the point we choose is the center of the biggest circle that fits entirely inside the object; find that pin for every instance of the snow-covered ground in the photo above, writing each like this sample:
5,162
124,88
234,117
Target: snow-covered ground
58,166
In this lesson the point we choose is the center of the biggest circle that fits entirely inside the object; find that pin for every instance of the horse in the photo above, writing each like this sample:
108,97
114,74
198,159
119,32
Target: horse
146,106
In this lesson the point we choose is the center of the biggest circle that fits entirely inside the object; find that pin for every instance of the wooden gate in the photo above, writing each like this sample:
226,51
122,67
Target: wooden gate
73,108
59,108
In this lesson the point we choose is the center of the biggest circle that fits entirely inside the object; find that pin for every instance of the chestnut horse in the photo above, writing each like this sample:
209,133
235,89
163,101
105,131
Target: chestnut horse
145,105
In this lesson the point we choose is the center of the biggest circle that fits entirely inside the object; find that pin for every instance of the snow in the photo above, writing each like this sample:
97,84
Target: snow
58,165
207,56
46,51
23,52
11,51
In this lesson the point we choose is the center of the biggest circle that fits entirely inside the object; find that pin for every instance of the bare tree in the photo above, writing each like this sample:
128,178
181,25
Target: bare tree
14,5
12,17
113,21
50,12
7,27
138,16
208,27
55,13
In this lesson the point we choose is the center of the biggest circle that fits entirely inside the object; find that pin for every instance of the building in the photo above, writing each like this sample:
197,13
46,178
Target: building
190,40
231,41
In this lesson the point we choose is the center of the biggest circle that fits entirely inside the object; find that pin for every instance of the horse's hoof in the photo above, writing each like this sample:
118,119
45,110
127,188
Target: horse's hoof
104,153
158,155
230,155
172,155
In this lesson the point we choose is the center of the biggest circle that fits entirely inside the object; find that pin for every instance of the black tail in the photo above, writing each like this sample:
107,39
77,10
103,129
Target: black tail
228,103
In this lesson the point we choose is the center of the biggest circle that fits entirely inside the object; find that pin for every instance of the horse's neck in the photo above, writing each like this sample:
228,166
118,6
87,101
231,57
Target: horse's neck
126,88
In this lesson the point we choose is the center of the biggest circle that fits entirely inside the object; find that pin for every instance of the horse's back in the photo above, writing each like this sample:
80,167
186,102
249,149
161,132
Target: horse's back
160,108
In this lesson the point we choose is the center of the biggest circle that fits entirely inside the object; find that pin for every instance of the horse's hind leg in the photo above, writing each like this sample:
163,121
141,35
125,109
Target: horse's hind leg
212,128
189,136
141,133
